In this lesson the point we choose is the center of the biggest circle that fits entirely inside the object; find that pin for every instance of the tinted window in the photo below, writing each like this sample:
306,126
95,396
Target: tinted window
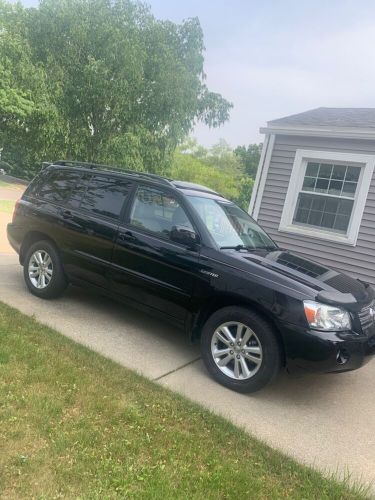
56,186
105,195
78,191
157,211
33,187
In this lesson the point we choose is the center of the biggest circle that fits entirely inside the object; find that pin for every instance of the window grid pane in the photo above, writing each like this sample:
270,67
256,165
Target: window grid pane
323,212
332,179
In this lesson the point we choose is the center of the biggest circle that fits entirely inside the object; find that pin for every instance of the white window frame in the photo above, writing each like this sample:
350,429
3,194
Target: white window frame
303,156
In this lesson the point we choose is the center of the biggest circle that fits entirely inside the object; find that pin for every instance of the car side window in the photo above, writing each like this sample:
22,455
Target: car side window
55,186
106,195
157,211
78,191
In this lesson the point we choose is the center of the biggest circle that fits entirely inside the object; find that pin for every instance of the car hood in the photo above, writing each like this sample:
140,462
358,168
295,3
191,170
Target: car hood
331,286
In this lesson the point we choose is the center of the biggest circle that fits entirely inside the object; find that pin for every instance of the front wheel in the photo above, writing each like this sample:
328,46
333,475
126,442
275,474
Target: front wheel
43,271
240,349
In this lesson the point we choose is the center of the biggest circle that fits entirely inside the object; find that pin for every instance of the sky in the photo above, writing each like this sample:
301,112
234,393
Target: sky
273,58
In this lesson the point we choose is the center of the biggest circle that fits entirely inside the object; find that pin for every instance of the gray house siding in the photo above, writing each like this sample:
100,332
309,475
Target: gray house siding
358,260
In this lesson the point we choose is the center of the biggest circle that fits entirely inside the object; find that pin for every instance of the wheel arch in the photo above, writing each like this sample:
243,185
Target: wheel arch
31,238
226,300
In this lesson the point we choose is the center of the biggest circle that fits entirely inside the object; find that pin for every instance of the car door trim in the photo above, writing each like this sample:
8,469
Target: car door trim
149,279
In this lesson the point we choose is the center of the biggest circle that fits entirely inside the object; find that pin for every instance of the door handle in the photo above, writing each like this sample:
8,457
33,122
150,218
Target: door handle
67,214
127,236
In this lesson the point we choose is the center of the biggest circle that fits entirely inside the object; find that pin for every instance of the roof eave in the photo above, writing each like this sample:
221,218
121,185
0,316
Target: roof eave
341,132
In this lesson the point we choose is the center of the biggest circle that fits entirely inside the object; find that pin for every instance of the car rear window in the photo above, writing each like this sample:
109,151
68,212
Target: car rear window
105,196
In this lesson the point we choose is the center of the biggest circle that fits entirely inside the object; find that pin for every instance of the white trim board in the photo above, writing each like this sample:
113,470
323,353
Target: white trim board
367,162
260,180
258,174
339,132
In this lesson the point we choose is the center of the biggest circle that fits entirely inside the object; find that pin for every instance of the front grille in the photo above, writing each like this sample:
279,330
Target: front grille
365,316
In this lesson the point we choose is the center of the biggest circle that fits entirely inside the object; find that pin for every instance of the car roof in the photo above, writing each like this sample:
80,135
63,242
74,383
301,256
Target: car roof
184,186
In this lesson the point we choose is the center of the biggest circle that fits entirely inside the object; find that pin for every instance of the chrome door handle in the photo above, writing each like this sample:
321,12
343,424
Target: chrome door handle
127,236
67,214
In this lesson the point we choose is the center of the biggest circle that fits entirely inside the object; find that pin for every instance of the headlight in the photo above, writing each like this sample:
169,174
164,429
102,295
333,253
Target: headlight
323,317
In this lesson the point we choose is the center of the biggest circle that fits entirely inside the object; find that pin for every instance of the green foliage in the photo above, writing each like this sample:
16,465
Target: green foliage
246,185
249,158
15,97
101,81
187,168
105,81
29,122
220,155
218,168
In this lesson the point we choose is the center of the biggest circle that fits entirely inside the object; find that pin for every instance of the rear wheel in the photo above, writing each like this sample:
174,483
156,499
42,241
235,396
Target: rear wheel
240,349
43,271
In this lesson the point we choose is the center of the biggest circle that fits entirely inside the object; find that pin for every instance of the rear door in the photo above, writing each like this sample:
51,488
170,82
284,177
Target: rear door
89,223
147,266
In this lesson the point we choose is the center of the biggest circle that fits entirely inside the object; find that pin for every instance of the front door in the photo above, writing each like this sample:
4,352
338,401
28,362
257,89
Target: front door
148,267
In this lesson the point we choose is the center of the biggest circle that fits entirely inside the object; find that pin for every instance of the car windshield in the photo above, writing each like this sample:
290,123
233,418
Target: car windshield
230,226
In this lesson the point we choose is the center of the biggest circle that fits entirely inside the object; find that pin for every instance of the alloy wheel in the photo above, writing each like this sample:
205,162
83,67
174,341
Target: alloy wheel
40,269
236,350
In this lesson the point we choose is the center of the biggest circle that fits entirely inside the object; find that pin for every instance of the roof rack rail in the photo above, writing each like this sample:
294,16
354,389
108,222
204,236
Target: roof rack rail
195,187
109,168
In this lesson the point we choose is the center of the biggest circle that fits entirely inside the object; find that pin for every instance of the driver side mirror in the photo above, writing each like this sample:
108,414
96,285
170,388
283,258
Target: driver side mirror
184,235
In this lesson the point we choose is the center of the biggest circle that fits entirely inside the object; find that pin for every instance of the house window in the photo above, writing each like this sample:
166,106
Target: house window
327,195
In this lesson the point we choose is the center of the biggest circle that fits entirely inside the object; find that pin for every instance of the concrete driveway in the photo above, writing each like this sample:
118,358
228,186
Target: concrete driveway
327,421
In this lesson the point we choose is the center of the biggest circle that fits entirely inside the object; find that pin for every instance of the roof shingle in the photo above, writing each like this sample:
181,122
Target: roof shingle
330,117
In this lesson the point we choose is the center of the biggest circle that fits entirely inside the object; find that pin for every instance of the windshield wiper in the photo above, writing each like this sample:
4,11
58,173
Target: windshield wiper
269,247
234,247
249,249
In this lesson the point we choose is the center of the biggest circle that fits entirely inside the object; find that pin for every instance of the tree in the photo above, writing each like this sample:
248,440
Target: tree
186,167
28,125
119,85
219,156
245,187
217,168
249,158
15,97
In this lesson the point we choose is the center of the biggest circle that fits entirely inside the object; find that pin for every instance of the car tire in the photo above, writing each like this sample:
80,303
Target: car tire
243,358
43,271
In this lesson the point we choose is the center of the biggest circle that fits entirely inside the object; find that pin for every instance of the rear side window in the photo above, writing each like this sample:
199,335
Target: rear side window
57,185
78,191
33,188
105,196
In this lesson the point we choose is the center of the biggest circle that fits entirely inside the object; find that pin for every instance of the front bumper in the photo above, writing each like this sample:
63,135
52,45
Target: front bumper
326,351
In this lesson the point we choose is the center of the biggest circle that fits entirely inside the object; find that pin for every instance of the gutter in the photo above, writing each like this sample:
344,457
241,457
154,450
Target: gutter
338,132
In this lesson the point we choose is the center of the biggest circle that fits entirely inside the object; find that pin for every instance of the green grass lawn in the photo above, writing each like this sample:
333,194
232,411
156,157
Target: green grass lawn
7,206
5,184
76,425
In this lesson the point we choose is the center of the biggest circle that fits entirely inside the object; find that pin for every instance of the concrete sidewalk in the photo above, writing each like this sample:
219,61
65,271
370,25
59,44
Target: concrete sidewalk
327,421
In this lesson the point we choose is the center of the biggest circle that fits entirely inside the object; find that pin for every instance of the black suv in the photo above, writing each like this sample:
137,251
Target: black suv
184,252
